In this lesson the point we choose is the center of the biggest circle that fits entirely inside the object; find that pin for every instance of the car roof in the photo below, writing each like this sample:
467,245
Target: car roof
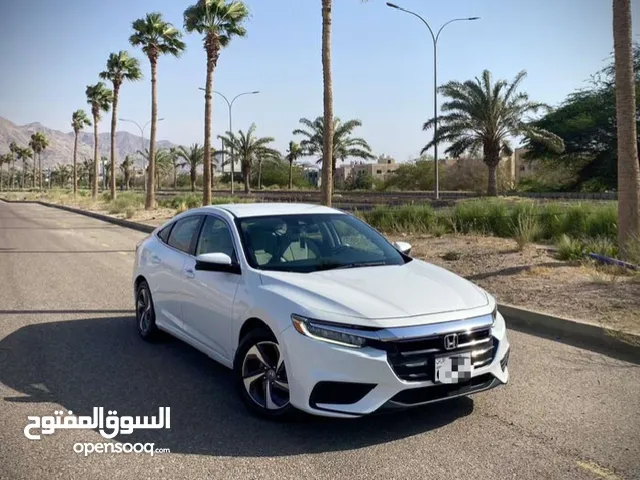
244,210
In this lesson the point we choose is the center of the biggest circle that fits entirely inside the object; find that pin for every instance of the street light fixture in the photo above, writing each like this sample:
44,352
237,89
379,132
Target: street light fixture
142,129
230,105
435,38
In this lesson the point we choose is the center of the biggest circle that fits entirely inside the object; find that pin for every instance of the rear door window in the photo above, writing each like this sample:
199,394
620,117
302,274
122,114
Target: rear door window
184,232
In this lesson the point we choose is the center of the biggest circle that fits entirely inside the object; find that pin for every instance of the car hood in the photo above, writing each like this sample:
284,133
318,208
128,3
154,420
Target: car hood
384,292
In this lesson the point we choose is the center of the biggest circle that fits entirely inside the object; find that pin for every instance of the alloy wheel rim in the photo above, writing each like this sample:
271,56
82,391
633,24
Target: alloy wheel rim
265,377
144,311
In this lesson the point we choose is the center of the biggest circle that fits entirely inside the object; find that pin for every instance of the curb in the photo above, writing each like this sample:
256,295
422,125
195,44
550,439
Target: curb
579,333
582,334
141,227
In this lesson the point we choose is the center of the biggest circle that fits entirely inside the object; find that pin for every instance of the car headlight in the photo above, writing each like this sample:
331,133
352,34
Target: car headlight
498,328
328,333
494,314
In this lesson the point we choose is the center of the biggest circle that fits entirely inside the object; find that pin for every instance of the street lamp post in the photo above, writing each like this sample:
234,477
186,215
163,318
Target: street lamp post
435,38
142,129
230,105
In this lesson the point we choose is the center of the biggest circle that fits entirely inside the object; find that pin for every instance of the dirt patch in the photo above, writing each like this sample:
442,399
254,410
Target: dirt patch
533,279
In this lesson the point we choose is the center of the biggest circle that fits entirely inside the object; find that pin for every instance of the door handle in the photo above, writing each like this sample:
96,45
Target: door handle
189,273
155,260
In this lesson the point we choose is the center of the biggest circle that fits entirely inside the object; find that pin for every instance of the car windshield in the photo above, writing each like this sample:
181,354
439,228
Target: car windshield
314,242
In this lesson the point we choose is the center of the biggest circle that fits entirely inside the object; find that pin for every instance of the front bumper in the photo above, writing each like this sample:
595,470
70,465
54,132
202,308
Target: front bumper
365,381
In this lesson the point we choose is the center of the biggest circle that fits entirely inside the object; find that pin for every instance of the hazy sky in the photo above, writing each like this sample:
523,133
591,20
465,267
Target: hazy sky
382,61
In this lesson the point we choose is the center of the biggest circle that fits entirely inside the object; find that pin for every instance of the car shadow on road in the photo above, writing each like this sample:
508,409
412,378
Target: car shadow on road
101,362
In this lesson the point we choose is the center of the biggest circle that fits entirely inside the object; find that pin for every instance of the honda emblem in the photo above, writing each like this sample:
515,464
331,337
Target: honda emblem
451,341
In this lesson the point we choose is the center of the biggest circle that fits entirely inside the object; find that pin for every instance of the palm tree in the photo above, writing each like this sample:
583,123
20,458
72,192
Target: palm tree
344,145
164,165
33,145
79,120
219,21
100,98
293,153
327,120
126,166
120,67
250,150
628,166
156,37
175,161
38,143
482,115
6,158
24,154
13,149
85,171
192,156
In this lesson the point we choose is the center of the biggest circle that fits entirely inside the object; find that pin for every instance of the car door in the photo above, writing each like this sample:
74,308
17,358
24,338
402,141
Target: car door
169,283
209,299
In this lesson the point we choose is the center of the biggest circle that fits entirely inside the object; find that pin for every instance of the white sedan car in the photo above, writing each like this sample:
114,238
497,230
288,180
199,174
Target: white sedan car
315,310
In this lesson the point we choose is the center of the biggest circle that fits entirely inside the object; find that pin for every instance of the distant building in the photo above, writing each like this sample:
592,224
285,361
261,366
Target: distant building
312,174
379,170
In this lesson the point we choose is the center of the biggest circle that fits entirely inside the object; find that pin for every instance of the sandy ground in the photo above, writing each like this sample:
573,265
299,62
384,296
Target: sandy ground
534,279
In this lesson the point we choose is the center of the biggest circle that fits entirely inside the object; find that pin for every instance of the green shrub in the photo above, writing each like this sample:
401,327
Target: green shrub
124,201
407,218
129,212
601,246
569,248
526,228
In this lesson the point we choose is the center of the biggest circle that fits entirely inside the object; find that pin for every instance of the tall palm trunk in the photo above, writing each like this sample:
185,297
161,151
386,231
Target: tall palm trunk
150,201
35,171
212,56
327,173
628,167
260,175
13,174
114,125
24,173
75,165
246,177
290,174
94,186
194,175
175,177
40,170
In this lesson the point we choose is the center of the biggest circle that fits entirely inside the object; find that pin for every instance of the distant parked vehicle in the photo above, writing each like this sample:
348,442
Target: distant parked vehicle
315,310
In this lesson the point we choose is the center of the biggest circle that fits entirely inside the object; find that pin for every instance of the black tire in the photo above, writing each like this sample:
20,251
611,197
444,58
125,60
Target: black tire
247,364
145,313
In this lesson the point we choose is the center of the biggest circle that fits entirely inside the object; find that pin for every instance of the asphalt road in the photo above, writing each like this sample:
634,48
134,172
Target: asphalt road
68,341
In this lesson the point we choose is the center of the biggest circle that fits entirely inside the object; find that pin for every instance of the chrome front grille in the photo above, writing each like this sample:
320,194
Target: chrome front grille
414,359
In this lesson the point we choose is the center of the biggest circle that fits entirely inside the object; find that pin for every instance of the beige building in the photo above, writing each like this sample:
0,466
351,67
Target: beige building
378,170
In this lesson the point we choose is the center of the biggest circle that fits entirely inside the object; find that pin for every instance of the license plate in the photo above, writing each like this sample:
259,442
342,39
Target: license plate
453,368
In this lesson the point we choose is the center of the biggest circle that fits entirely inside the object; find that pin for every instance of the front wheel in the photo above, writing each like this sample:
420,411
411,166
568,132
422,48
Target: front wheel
145,313
261,376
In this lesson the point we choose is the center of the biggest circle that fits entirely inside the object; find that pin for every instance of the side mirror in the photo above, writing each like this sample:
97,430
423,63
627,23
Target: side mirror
403,247
216,262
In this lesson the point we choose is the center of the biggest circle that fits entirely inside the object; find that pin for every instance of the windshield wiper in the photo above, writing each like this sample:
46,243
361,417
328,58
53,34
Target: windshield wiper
341,266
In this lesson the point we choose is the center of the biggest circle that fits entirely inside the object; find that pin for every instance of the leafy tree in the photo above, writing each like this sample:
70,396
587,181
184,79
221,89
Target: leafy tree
79,120
293,154
192,157
218,21
481,115
249,150
586,121
100,98
120,67
156,37
344,145
8,159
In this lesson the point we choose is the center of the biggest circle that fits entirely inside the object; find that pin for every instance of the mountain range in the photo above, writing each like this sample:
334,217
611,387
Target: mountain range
60,149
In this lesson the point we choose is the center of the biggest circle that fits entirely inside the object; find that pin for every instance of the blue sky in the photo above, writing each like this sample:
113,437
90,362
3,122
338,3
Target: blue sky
382,61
